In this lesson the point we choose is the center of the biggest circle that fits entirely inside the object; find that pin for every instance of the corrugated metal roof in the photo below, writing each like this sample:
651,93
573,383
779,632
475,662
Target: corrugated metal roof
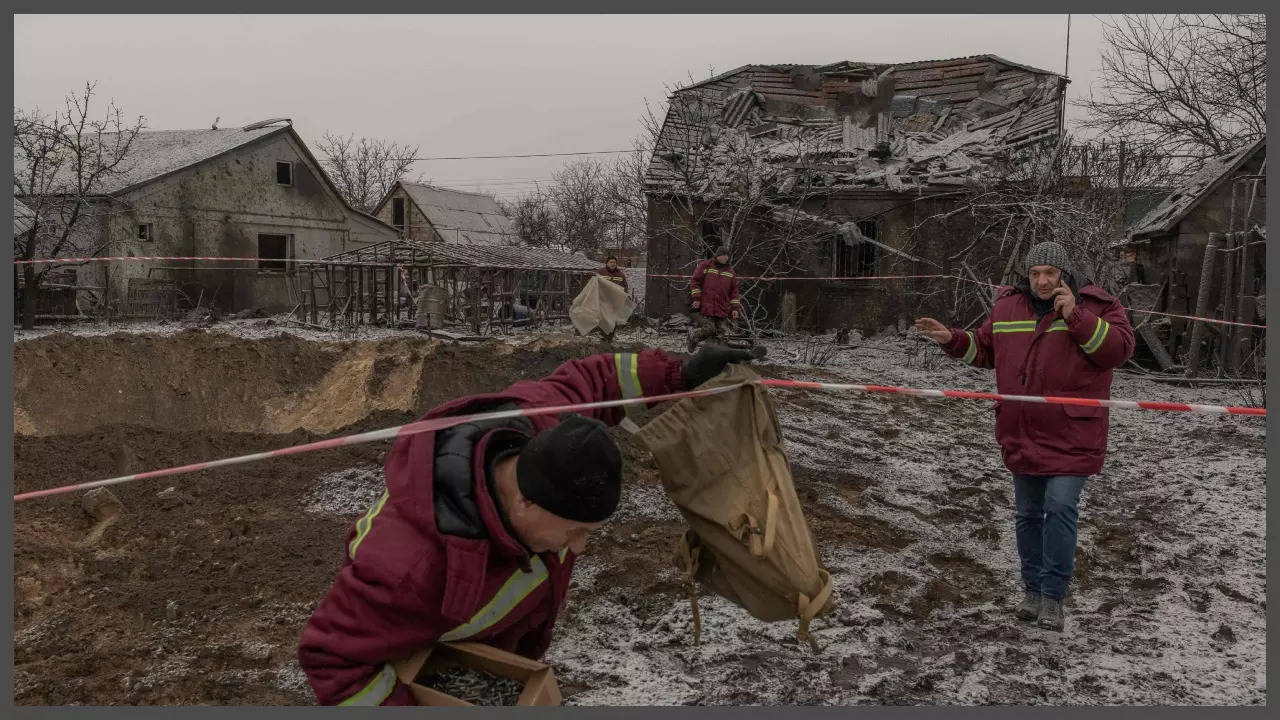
22,218
155,153
415,252
463,217
1175,206
509,256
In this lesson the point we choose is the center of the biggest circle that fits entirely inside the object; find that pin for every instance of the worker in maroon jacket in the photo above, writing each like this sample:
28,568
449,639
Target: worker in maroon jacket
1047,336
613,273
476,534
714,289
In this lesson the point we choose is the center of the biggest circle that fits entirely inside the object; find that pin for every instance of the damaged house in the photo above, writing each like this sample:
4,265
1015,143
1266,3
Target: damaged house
1171,270
424,213
823,171
252,192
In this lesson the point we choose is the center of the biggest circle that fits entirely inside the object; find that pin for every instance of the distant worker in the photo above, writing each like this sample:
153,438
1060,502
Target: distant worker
476,534
714,289
612,272
1047,336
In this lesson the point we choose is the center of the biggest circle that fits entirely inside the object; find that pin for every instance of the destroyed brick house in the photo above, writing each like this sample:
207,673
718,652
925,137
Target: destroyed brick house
425,213
1223,203
251,192
857,153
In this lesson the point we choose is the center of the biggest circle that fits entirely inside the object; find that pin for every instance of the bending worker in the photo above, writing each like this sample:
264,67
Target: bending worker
714,287
1047,336
476,534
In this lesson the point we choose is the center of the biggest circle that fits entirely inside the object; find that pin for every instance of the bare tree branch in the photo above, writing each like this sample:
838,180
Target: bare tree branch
64,163
1185,84
364,170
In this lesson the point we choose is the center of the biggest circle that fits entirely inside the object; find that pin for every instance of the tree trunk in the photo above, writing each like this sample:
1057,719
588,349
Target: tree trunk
29,295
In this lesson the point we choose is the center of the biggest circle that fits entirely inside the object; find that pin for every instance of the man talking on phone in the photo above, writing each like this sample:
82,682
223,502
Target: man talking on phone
1048,335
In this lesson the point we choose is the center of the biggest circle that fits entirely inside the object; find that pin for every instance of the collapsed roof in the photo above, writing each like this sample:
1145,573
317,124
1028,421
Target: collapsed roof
851,125
1174,207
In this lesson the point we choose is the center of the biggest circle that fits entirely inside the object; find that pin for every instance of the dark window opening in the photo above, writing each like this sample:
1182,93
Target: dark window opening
273,250
284,173
145,232
397,212
866,258
843,256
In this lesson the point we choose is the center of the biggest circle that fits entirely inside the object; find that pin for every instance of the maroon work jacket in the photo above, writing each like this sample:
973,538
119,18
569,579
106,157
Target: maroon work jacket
1049,356
404,584
716,287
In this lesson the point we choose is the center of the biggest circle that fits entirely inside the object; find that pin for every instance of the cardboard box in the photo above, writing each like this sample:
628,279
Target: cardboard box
540,686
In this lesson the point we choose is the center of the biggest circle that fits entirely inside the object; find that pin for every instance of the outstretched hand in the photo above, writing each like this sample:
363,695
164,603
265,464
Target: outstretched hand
934,330
711,360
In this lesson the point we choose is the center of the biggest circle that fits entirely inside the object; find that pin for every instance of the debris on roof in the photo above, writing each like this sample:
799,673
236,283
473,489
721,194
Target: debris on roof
926,124
1175,206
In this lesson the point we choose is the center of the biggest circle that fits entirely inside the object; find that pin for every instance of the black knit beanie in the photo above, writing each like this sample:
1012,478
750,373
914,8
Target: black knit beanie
573,470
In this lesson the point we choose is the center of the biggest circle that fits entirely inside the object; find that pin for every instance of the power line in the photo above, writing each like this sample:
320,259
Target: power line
528,155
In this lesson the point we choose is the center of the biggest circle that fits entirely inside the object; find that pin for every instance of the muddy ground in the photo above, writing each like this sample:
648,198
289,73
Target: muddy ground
197,594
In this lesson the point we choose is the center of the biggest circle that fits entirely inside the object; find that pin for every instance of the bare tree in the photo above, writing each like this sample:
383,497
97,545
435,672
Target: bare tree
63,165
364,170
625,198
1069,192
1185,84
588,205
577,199
533,218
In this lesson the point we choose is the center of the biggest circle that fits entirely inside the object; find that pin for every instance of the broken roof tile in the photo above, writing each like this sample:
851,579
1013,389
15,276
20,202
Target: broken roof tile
1004,104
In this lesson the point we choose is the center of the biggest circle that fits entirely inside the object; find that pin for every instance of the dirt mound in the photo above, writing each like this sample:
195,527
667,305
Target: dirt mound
196,594
208,382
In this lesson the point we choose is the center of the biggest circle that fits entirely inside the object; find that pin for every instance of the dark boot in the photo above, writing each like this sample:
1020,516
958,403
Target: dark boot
1051,615
691,339
1029,608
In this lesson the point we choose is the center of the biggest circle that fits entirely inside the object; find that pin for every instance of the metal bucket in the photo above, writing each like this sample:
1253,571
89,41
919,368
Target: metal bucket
431,302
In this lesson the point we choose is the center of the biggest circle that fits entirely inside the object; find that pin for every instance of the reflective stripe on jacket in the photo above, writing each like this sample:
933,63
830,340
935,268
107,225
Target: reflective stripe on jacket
716,287
617,276
404,585
1050,356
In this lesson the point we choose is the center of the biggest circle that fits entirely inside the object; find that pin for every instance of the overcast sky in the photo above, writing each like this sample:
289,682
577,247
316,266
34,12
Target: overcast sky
479,85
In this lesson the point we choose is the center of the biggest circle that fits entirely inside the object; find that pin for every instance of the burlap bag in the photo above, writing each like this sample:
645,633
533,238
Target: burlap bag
721,462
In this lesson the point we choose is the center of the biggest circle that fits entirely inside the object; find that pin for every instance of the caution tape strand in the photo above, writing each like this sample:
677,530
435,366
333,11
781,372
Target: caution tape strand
440,423
760,278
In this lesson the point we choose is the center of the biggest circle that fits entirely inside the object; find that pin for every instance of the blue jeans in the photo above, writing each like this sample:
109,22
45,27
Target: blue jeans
1047,508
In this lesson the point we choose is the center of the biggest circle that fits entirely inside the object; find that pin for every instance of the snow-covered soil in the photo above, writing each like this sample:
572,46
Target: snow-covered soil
912,512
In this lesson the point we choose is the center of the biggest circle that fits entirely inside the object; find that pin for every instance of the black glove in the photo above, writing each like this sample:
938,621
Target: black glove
711,359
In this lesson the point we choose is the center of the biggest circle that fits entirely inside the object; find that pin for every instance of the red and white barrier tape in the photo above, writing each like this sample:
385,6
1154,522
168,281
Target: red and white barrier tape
762,278
1200,319
297,261
1048,399
413,428
445,422
776,278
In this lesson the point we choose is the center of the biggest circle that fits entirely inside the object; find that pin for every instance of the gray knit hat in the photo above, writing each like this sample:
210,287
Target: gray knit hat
1047,253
